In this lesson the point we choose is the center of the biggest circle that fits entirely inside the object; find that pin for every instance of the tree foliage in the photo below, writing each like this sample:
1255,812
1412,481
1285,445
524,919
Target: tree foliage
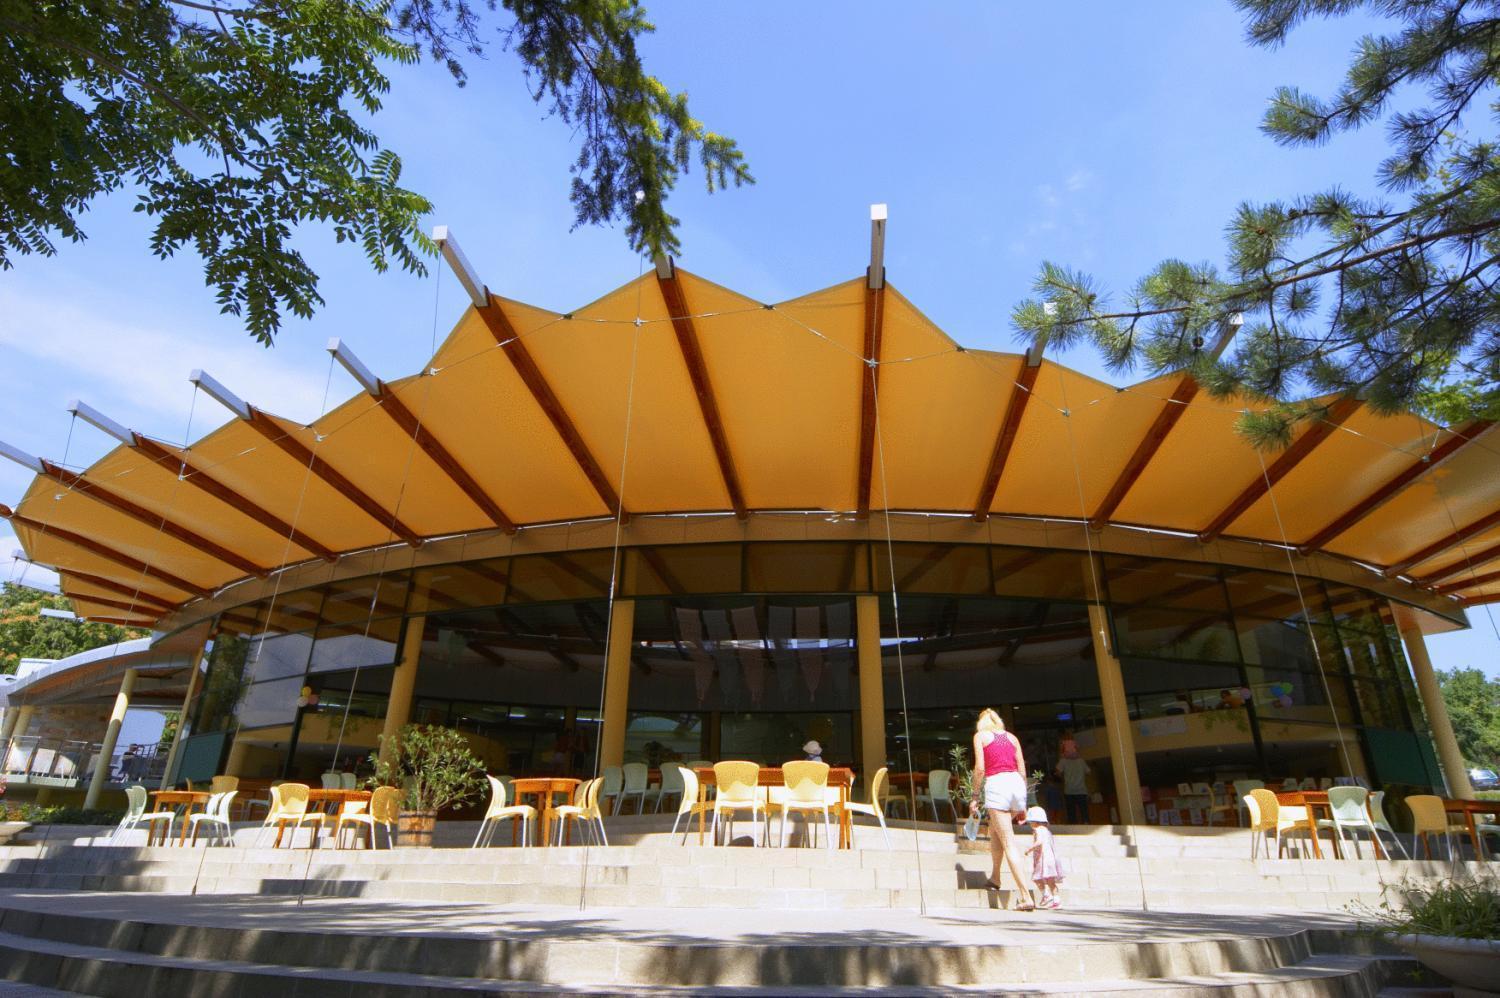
25,633
1391,300
236,122
1473,702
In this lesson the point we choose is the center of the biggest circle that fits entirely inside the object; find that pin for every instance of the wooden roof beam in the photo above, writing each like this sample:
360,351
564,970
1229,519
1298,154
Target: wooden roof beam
1436,548
1156,435
404,418
107,553
488,309
870,376
129,606
297,451
1010,426
144,599
184,470
1441,453
79,485
1478,580
1460,567
1294,455
692,356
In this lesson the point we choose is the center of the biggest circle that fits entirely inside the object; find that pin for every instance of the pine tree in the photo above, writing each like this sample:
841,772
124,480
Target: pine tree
237,121
1392,301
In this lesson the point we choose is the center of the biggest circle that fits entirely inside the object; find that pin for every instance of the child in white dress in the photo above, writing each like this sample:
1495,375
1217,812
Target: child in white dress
1046,868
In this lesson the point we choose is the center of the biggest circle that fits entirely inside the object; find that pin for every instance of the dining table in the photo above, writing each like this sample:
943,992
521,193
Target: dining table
546,790
182,801
1471,810
1316,803
770,776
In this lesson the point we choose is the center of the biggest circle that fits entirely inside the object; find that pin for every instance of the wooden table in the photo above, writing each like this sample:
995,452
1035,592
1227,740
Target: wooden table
333,802
187,800
1471,810
545,789
911,784
1317,801
770,776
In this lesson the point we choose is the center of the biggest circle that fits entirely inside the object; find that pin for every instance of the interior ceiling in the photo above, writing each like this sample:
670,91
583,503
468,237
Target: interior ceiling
732,405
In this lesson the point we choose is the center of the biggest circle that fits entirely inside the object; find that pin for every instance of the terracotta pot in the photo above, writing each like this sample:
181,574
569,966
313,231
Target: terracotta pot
1473,965
415,829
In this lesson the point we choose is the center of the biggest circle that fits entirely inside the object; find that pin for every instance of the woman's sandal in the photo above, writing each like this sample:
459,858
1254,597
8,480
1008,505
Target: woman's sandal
990,885
1025,906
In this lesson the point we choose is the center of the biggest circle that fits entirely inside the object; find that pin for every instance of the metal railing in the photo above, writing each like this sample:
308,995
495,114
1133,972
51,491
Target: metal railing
50,762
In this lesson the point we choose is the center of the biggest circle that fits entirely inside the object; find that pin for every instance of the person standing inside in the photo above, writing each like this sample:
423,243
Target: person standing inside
1075,774
998,765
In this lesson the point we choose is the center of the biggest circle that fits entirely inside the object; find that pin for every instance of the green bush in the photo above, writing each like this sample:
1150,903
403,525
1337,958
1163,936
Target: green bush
1465,909
432,765
57,814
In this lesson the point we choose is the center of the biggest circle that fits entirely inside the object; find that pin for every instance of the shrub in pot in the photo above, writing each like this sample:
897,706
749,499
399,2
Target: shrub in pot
434,768
1452,928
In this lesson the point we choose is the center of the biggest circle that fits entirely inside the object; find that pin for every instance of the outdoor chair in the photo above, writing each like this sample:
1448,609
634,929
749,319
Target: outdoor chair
1277,819
671,784
499,811
614,784
1378,819
1241,789
135,815
636,780
889,800
739,790
223,784
332,781
698,764
806,794
937,791
1347,805
1428,817
1325,783
290,808
586,813
348,781
384,811
215,817
1485,829
873,809
688,805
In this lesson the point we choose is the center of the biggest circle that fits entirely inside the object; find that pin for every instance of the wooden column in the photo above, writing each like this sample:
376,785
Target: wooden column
1118,730
111,735
1455,773
616,683
403,681
871,685
187,698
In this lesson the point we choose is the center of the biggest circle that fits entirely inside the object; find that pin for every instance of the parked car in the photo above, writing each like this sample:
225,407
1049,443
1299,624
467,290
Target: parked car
1484,779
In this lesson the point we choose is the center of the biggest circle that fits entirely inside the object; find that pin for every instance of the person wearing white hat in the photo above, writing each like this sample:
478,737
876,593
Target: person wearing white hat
813,751
1046,869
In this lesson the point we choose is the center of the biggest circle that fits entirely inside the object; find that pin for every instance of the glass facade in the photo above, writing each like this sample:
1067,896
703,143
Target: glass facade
749,649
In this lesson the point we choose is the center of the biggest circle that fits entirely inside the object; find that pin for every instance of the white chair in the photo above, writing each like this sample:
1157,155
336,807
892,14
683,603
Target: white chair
806,794
332,780
135,815
1485,829
873,809
1325,783
215,817
937,791
609,790
636,779
1378,819
1347,805
1241,789
348,781
738,790
671,784
499,811
688,805
890,801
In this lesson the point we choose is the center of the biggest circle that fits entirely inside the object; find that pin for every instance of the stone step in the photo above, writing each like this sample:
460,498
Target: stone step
130,956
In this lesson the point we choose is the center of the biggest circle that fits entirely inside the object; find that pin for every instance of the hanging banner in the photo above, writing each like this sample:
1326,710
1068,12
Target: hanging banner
716,622
690,626
751,649
809,652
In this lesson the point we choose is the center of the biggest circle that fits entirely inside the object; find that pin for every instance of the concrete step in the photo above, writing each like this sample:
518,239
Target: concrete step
255,945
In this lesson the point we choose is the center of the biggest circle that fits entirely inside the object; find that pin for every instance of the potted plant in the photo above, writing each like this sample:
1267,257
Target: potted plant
435,768
1453,929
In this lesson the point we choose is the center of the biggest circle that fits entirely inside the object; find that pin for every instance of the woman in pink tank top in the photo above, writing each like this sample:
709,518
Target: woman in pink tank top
998,780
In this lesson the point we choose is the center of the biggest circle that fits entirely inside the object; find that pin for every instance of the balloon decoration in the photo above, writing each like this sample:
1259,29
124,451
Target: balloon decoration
308,697
1281,694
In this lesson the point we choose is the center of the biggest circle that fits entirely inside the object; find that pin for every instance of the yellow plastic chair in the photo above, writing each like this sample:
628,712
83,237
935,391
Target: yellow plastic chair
688,805
290,808
738,790
806,794
1281,818
1428,817
384,812
500,811
223,784
874,809
586,813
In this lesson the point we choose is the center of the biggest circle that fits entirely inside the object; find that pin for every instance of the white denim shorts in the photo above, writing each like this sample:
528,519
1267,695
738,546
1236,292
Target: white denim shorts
1005,792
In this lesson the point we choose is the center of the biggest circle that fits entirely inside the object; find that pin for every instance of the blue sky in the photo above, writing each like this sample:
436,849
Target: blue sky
1000,135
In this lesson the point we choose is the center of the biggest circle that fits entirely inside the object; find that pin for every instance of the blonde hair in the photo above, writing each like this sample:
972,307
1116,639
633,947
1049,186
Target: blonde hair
989,721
